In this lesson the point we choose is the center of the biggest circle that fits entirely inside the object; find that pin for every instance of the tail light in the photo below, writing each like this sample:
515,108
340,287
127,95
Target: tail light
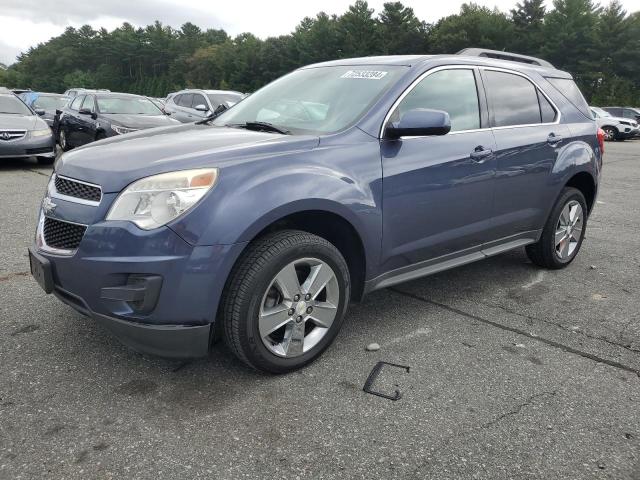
601,140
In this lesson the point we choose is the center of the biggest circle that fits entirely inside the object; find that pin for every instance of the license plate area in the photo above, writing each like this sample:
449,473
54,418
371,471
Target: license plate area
41,271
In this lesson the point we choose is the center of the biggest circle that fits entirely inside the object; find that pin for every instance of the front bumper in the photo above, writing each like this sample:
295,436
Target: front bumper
28,147
102,279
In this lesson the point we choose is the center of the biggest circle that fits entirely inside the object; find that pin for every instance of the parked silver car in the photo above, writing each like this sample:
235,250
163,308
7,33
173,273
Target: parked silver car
615,128
193,105
22,132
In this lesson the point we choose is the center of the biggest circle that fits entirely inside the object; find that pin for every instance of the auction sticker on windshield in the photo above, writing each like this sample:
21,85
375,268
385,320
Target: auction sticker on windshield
366,74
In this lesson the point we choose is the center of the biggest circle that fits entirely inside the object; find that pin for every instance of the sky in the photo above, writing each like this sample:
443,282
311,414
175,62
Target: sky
25,23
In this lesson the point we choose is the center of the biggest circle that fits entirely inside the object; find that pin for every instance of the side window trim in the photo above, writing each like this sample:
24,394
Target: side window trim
539,90
482,105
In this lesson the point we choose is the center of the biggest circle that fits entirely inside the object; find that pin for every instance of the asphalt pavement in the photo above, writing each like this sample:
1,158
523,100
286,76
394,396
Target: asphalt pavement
514,373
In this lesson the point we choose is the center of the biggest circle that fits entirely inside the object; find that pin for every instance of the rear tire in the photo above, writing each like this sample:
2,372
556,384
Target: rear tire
285,301
563,233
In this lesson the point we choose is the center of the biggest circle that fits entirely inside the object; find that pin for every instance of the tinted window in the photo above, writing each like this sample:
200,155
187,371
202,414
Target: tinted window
513,99
75,105
546,110
198,100
453,91
628,113
571,92
185,100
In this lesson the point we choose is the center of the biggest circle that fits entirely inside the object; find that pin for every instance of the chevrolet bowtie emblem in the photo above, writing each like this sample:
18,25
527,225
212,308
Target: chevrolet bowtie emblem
47,205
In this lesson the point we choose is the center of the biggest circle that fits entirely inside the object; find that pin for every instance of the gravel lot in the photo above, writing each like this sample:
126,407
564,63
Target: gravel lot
514,373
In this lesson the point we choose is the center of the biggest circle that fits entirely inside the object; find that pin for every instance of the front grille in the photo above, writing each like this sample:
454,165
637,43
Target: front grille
8,135
72,188
63,235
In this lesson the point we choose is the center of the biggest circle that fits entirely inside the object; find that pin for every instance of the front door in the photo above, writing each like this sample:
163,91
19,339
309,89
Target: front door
438,190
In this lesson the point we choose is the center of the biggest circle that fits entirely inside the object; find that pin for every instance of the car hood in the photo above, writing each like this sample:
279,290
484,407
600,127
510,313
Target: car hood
18,122
140,121
117,161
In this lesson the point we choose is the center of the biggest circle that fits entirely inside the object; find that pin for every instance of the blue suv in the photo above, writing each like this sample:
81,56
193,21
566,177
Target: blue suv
262,224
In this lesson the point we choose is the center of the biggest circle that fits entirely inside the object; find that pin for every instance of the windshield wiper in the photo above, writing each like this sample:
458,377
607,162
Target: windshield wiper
261,127
216,113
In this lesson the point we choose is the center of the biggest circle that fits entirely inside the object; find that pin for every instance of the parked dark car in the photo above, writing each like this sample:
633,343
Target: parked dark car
333,181
192,105
22,132
95,116
45,104
624,112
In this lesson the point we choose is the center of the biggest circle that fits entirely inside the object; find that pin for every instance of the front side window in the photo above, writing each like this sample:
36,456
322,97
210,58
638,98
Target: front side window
127,105
88,103
316,100
513,99
185,100
453,91
198,100
75,105
229,99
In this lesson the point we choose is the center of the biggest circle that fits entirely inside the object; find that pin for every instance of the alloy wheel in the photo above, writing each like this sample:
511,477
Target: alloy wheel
609,134
569,230
299,307
63,140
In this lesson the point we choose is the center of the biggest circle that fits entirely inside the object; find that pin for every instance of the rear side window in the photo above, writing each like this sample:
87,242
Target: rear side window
453,91
185,100
513,99
571,92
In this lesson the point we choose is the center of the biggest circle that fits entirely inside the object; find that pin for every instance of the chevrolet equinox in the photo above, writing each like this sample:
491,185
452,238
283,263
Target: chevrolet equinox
261,224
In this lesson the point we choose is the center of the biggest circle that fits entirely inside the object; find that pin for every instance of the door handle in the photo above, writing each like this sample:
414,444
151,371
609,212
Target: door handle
480,154
554,139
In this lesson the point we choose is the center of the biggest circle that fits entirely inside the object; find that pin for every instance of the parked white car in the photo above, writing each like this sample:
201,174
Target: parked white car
615,128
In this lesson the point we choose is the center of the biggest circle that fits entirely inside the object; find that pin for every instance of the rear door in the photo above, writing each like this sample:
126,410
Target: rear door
529,135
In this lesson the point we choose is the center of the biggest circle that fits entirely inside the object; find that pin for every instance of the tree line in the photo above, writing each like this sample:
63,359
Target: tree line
599,45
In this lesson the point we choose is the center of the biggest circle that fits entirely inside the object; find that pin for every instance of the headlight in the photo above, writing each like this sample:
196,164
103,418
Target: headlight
154,201
122,130
41,133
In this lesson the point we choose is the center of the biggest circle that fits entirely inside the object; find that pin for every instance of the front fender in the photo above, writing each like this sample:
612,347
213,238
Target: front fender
250,196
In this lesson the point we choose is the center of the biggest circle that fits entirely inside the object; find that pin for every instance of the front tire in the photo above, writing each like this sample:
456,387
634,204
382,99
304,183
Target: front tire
285,301
62,140
563,233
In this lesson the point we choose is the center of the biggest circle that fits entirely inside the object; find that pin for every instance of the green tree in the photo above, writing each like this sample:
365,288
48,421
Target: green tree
401,32
358,31
528,20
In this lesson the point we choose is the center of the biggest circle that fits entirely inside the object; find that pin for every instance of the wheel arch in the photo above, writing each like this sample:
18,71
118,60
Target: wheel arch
329,224
584,182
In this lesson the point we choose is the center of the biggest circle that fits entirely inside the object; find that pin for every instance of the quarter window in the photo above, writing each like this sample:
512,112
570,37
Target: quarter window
453,91
513,99
546,110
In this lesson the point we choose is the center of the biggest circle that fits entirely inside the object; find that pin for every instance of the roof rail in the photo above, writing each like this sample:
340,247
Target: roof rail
513,57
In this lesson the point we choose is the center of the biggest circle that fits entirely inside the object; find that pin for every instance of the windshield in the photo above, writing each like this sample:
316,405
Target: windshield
129,106
598,112
315,100
11,105
50,102
229,99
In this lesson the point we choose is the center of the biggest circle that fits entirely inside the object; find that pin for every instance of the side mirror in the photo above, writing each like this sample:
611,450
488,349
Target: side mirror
201,108
39,111
418,123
